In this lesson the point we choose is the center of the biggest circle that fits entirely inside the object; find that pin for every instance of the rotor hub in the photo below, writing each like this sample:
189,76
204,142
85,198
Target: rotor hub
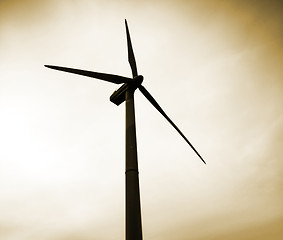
138,80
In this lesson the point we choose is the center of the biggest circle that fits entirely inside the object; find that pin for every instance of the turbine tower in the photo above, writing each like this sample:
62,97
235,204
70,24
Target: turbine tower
126,93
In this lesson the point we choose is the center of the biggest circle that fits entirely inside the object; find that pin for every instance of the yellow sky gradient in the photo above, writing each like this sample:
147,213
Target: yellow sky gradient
215,67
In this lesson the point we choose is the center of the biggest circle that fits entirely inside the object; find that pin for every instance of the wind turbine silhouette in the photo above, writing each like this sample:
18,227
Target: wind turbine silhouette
126,93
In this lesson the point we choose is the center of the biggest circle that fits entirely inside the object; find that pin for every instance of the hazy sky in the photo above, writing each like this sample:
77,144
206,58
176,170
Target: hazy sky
216,69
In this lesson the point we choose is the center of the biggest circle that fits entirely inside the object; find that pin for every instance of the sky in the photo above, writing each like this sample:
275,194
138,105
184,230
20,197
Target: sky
215,67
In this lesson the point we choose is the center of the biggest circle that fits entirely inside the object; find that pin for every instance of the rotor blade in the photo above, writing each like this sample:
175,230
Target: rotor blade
102,76
156,105
131,56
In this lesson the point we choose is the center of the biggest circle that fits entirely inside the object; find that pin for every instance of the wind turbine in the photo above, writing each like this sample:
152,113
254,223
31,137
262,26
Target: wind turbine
126,93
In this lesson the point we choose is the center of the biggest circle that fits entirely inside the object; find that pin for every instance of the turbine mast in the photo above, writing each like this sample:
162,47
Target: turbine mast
133,209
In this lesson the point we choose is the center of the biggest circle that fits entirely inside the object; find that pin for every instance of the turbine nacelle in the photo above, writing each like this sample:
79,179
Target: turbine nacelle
119,95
